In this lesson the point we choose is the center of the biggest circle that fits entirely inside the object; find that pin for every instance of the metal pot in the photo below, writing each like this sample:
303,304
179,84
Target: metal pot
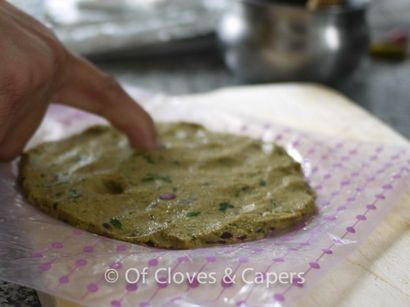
265,41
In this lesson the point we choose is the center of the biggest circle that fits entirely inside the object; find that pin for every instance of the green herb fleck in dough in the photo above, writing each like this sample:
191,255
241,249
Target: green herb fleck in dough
224,206
262,183
106,226
74,194
116,223
244,188
133,233
146,157
154,177
193,213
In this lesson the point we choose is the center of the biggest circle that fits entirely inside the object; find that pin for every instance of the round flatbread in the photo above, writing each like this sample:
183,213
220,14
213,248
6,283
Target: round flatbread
202,188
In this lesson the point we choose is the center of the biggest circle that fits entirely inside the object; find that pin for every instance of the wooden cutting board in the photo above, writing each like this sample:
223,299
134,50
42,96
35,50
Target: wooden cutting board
378,272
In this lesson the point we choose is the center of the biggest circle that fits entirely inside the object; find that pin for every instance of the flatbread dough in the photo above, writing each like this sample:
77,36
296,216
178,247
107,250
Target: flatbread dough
202,188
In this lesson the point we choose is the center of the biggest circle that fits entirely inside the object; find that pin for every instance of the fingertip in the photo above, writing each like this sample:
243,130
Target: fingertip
144,139
90,89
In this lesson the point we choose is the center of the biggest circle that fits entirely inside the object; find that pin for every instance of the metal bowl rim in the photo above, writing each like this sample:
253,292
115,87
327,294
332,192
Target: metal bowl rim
339,10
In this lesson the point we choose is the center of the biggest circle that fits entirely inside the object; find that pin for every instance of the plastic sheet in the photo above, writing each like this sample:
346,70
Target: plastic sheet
356,184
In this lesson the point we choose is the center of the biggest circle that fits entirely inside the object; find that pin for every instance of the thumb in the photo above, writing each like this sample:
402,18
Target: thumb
85,87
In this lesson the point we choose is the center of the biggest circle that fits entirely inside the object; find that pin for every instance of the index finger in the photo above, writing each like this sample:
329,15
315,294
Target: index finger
85,87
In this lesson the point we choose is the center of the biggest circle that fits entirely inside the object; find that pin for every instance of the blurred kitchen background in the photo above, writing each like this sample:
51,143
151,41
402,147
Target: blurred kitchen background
171,47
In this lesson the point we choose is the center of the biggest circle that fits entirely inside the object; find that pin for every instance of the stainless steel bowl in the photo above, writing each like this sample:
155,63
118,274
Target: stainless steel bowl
265,41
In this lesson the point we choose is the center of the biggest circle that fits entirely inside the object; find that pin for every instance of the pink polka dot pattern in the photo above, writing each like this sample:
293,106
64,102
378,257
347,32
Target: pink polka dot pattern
183,258
314,265
92,287
226,283
116,265
162,282
81,262
132,287
36,255
211,258
193,282
153,262
45,266
387,187
116,303
88,249
350,229
64,279
335,193
355,185
298,282
121,247
380,196
77,232
345,182
279,297
57,245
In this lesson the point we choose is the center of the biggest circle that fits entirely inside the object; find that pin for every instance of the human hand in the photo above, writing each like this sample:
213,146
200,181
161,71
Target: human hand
36,69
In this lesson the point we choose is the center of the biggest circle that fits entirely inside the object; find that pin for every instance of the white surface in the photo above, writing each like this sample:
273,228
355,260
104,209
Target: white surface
377,273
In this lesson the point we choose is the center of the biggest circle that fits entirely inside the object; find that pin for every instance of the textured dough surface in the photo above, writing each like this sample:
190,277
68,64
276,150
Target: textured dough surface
202,188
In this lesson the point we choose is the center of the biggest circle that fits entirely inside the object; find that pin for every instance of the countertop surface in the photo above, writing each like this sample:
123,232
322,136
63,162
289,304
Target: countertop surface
381,87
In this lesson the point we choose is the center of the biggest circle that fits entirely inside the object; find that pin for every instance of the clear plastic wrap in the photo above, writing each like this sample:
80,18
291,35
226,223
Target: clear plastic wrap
356,185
